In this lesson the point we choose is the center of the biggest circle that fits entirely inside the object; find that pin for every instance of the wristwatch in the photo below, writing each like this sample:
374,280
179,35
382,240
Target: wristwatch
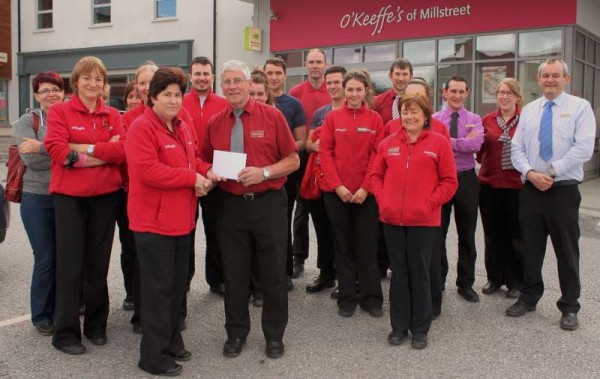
90,150
266,173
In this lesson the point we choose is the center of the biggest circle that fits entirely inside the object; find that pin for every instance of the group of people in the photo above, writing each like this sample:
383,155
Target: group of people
379,176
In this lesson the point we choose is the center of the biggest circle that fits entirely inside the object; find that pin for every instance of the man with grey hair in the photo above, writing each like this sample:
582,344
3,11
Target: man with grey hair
252,209
555,137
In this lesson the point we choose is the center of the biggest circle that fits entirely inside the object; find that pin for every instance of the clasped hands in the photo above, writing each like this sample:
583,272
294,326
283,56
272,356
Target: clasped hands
348,197
540,180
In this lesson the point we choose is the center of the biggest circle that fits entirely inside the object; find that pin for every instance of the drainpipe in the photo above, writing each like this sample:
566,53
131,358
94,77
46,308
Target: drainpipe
214,54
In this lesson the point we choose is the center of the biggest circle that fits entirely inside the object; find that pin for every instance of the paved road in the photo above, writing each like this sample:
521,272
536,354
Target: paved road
466,341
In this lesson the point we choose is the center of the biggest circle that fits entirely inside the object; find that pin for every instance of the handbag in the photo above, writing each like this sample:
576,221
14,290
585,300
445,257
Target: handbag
16,168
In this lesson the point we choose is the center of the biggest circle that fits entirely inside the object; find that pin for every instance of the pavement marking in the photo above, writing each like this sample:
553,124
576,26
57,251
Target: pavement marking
15,320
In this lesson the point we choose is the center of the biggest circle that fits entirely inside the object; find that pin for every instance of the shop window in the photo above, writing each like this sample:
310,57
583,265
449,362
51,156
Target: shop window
546,44
292,59
380,53
528,80
590,51
455,49
419,52
598,54
487,77
166,8
292,81
101,11
328,56
577,79
445,72
501,46
345,55
117,91
579,46
381,81
596,102
44,14
588,84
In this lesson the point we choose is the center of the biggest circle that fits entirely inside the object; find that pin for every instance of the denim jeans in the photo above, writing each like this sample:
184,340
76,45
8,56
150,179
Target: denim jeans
37,212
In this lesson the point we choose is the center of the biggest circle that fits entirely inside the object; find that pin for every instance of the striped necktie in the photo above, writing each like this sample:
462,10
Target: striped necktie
237,133
395,110
545,136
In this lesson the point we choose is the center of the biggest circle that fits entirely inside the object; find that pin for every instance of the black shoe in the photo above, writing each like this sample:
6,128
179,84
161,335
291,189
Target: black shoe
298,269
219,289
396,338
45,328
290,284
335,293
376,312
137,329
274,349
182,325
490,288
319,284
419,342
128,303
99,340
233,347
569,321
173,371
519,309
468,294
257,300
183,355
345,312
75,349
513,293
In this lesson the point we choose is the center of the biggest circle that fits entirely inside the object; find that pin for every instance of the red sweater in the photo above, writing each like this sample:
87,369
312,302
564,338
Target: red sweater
411,181
162,173
383,105
393,126
490,156
349,140
71,122
200,114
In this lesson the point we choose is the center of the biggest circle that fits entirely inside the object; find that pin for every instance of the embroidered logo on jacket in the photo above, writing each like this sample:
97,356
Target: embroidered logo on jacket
394,150
341,129
78,128
170,146
431,154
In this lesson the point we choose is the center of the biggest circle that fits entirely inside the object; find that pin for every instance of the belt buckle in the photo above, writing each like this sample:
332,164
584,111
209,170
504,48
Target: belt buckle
250,196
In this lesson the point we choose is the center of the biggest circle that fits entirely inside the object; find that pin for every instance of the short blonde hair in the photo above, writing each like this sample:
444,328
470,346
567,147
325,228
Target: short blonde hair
148,65
87,65
514,86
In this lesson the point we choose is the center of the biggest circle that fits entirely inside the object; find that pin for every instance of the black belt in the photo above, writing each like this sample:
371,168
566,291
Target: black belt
464,173
251,196
569,182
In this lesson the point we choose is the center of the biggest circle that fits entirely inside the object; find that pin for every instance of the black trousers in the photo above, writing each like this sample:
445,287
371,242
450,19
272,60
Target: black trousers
163,264
291,189
410,249
128,254
84,236
354,228
465,203
301,215
325,249
435,272
504,246
554,212
247,228
213,270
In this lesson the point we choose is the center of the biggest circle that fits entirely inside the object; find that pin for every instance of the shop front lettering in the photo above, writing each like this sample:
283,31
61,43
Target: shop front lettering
388,15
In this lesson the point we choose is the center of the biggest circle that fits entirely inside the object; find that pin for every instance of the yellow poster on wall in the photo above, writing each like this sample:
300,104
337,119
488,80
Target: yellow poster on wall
253,39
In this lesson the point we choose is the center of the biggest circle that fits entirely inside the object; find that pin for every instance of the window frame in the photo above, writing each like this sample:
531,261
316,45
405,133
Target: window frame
157,16
96,6
39,12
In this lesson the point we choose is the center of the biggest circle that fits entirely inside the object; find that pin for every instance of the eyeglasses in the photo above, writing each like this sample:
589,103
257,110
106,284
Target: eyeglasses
230,82
505,93
48,91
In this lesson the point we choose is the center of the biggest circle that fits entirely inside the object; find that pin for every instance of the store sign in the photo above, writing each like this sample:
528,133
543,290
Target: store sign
310,23
252,39
3,57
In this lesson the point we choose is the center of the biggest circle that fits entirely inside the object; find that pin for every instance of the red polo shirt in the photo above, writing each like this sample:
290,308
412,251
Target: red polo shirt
311,98
267,140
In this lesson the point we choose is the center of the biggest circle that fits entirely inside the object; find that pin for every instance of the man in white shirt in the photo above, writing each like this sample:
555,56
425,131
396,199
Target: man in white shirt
554,139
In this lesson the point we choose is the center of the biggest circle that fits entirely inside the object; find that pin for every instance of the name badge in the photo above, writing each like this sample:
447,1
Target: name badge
257,134
562,115
394,151
469,126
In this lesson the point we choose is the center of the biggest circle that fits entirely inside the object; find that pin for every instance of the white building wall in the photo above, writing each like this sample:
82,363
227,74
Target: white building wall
13,84
587,15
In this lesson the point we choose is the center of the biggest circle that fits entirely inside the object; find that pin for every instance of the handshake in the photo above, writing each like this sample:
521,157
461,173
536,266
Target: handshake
205,184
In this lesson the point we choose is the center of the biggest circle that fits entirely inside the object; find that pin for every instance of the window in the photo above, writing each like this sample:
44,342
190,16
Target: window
101,12
380,53
3,101
528,79
500,46
166,8
44,14
344,55
487,77
534,44
455,49
445,72
419,52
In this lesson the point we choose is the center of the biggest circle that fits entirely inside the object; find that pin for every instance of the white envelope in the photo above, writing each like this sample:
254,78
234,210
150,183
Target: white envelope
228,164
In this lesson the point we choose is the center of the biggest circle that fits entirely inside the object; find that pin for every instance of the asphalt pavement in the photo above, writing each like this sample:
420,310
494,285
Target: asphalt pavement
466,341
